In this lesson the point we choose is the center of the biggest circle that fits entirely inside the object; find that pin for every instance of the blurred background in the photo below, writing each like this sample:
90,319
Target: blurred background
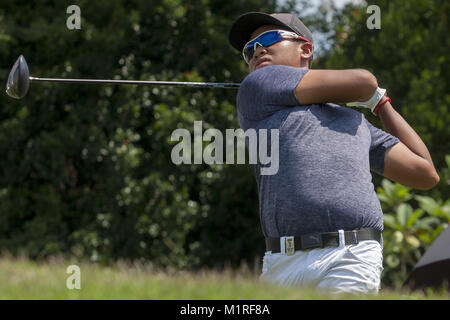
86,173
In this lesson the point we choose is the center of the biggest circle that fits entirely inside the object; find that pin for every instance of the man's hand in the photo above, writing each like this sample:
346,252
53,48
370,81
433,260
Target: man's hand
372,102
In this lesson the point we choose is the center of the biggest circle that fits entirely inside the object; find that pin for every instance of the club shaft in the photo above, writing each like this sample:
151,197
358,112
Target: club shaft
139,82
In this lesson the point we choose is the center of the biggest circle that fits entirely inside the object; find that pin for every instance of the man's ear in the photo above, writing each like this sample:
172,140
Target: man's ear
306,53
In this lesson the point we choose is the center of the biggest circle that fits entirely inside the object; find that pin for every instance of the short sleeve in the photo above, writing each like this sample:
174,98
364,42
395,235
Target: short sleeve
268,90
381,141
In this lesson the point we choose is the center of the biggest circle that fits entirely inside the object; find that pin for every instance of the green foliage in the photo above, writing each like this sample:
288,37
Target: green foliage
411,223
86,170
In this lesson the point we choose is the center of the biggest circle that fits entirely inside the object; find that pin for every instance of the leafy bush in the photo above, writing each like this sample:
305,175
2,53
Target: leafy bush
411,223
85,171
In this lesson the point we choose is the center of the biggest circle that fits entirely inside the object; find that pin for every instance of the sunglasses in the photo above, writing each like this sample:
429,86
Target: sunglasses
266,39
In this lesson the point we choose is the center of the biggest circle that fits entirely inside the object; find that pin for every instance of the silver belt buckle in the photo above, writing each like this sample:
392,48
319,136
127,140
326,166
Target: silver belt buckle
290,246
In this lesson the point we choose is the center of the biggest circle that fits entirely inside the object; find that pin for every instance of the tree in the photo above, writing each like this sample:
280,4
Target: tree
86,170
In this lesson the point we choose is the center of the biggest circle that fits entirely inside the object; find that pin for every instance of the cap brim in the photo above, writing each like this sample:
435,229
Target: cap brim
244,25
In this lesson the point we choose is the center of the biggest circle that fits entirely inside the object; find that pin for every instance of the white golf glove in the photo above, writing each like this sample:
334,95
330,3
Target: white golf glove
372,102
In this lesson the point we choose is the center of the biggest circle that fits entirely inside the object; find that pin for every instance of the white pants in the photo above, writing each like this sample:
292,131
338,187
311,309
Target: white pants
352,269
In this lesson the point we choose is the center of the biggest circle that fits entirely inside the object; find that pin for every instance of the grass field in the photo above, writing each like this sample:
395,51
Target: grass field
24,279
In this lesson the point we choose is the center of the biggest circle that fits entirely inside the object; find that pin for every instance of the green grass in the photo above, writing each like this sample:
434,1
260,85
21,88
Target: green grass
25,279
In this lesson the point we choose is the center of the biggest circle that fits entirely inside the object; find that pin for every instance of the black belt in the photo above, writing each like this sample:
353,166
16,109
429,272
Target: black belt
321,240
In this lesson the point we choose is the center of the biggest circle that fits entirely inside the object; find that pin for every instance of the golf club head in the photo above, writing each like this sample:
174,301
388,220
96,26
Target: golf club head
18,79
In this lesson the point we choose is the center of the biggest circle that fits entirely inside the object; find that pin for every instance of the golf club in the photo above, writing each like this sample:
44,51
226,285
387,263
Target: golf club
19,81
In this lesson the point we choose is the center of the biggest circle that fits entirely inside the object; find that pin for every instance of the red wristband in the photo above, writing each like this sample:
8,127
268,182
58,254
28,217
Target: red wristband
383,101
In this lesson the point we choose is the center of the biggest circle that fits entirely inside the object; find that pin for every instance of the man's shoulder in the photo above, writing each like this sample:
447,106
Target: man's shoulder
269,79
277,69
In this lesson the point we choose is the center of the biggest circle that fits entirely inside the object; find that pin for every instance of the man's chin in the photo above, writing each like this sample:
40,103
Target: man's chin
262,65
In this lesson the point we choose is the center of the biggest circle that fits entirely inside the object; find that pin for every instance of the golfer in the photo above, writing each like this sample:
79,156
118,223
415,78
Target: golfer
320,213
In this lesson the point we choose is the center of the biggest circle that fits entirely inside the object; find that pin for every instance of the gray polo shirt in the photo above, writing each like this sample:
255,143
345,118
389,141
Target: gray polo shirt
326,155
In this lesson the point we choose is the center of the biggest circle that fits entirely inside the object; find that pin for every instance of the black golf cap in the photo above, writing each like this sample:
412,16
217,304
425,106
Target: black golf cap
244,25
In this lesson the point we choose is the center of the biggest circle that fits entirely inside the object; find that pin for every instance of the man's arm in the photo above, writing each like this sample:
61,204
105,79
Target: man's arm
321,86
408,162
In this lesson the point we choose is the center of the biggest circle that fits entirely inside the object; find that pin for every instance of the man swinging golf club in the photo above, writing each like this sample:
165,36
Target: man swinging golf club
320,214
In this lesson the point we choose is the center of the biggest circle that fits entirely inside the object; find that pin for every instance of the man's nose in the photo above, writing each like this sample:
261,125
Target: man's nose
260,50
